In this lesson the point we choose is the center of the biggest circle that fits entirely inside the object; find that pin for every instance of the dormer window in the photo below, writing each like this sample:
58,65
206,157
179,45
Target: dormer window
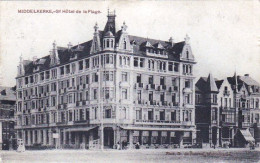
107,43
187,54
112,43
124,44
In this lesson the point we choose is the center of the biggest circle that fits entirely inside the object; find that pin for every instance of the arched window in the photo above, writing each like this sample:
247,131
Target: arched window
95,45
128,61
187,54
112,43
107,43
111,59
120,59
124,60
124,44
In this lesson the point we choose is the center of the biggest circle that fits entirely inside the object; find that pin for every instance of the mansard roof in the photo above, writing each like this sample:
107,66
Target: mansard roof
82,50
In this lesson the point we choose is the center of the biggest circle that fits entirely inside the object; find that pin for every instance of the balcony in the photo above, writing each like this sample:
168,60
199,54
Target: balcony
81,122
245,124
226,93
223,123
154,122
71,89
79,103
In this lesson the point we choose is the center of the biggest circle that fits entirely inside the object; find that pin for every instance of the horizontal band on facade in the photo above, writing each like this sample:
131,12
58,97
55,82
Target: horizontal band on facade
155,128
80,129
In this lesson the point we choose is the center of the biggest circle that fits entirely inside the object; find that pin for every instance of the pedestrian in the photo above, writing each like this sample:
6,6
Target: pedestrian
137,145
118,146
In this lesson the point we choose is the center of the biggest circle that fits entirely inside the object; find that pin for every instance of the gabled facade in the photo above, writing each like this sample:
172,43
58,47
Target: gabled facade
215,111
247,95
130,88
225,109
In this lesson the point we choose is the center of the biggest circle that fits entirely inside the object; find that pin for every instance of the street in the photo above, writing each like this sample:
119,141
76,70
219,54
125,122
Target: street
145,155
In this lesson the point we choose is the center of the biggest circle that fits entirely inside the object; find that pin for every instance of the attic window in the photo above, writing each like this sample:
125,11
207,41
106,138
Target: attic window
187,54
124,44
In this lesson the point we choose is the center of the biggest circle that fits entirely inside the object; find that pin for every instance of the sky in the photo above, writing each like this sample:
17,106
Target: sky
224,35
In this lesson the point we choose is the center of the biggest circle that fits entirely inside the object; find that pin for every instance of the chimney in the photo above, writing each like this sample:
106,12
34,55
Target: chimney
171,41
34,59
246,74
69,45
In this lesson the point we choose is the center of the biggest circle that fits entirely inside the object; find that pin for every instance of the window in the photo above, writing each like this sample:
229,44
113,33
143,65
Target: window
53,86
87,96
139,95
107,43
197,98
173,98
150,79
187,83
80,65
80,96
87,79
170,66
53,101
138,115
124,76
150,114
151,65
95,94
150,96
135,62
42,77
162,80
73,65
176,67
106,76
87,63
47,74
108,113
188,99
62,70
141,62
107,94
124,93
139,78
124,44
95,77
162,96
162,115
173,116
214,98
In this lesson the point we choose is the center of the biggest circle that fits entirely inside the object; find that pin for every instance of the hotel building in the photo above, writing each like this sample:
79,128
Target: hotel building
113,88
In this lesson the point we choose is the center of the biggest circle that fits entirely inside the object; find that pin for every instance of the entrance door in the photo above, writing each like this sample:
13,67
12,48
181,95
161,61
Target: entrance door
108,137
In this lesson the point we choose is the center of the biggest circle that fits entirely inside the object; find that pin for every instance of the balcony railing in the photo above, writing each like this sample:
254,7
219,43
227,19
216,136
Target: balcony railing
245,124
227,93
155,121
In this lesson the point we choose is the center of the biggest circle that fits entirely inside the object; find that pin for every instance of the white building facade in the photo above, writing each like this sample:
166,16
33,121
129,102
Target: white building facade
126,88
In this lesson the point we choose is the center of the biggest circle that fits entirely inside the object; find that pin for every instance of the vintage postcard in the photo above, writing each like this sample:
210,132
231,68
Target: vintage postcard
129,81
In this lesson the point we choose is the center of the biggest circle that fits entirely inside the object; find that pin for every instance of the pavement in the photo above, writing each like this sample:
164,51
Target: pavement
140,156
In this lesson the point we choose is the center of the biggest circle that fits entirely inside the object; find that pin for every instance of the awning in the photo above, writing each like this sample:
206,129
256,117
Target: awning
80,129
247,135
155,128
